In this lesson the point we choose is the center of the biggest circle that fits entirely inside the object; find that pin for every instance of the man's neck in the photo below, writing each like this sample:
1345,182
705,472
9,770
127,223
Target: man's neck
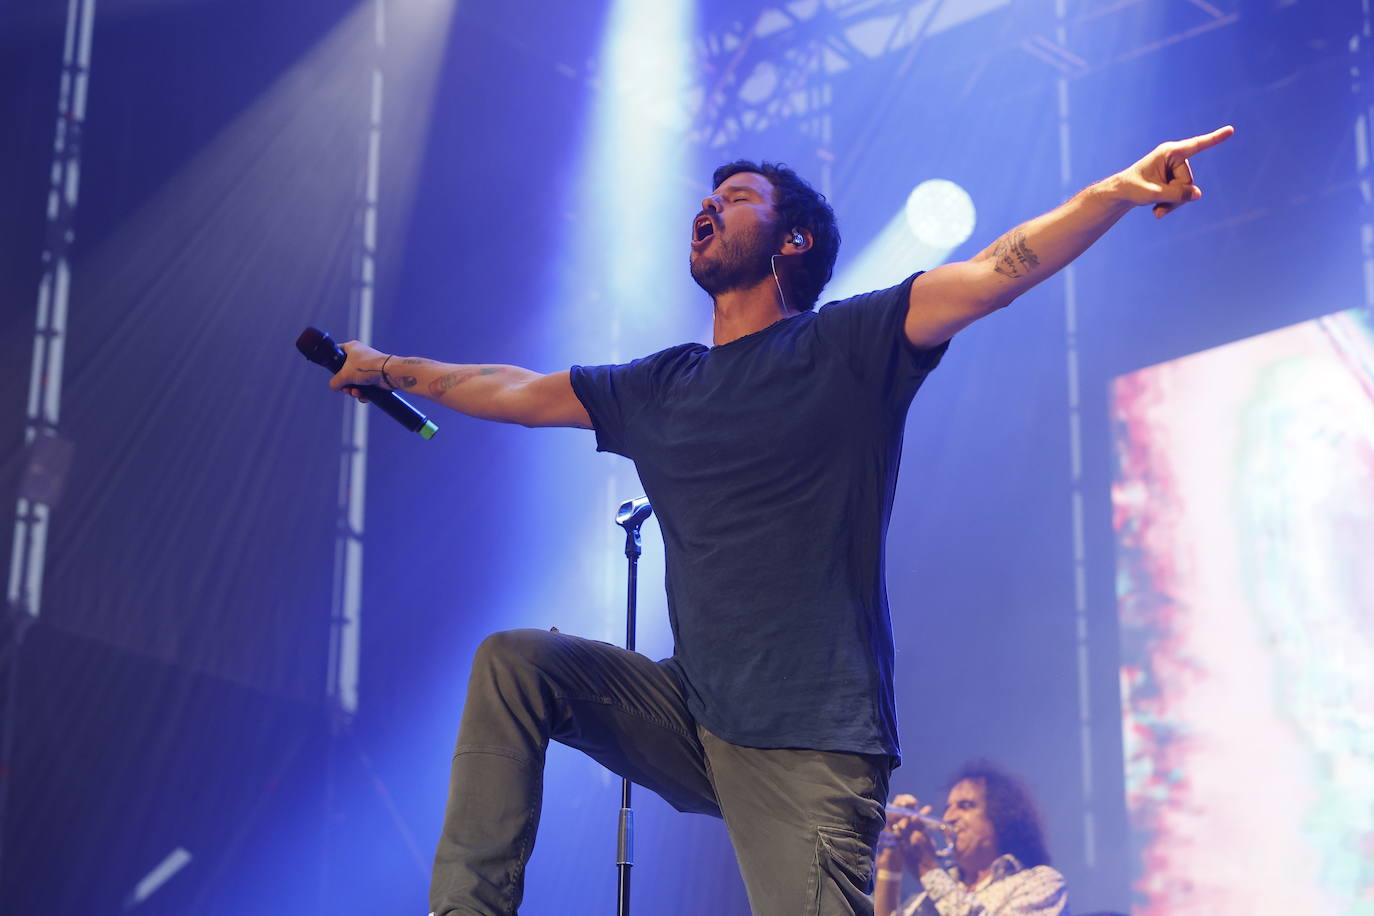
745,311
974,871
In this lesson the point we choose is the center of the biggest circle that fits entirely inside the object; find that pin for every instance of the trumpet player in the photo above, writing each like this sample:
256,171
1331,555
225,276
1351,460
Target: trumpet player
987,857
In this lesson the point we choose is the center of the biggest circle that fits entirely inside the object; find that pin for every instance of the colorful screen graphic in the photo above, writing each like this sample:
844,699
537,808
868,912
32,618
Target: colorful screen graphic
1243,505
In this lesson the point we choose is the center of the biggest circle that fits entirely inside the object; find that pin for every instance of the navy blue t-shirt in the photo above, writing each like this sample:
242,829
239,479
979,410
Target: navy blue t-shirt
771,463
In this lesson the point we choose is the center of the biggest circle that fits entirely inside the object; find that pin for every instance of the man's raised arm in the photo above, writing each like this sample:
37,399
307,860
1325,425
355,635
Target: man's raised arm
506,394
953,296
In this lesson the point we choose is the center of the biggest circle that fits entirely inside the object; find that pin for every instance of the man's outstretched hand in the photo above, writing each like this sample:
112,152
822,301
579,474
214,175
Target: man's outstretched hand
1164,177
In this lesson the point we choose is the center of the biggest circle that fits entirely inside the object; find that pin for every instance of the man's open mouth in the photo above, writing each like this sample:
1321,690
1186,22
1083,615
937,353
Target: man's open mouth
702,230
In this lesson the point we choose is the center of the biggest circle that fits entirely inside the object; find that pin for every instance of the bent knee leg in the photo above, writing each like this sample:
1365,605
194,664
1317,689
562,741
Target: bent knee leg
507,649
509,702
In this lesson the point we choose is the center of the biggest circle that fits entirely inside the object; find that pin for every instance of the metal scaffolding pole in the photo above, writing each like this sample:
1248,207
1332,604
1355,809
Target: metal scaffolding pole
1362,84
50,327
1077,492
346,600
48,453
345,620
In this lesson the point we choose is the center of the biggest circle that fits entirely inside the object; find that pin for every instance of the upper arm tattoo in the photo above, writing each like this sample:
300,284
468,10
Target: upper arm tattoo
1012,256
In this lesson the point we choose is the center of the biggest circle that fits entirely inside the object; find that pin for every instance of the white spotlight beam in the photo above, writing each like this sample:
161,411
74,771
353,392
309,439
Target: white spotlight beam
938,217
640,124
283,183
632,227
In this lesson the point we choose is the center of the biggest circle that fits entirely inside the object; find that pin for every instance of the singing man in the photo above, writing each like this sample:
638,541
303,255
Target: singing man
770,458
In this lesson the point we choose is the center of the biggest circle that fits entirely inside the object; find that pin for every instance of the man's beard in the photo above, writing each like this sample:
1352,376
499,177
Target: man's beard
738,262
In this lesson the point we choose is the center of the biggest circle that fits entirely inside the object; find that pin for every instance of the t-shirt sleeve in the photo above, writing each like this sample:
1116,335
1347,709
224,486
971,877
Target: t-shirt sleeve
613,395
617,396
870,329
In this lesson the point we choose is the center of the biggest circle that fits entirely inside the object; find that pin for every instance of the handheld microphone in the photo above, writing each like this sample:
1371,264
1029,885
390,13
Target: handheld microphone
318,347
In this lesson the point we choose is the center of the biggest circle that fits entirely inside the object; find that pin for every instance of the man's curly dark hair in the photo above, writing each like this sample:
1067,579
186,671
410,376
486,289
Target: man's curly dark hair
799,206
1010,809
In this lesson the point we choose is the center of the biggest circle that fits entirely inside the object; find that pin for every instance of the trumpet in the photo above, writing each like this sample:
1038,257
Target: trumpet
940,833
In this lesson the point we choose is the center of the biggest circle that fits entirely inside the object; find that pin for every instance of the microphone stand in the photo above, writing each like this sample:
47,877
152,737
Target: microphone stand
631,515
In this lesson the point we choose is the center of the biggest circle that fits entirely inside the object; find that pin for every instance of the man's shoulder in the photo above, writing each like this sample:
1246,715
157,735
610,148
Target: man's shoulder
647,362
877,298
667,361
677,350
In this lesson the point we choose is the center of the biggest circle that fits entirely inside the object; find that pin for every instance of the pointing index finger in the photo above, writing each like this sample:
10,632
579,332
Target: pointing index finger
1195,145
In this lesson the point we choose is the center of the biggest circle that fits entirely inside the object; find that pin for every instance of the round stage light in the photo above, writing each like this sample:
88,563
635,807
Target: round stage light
940,214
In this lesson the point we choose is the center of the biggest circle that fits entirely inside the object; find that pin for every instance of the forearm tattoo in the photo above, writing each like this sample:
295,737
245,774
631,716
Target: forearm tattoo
453,379
407,381
1013,257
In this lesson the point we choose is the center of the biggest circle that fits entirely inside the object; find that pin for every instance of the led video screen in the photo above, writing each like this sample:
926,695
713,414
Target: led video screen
1243,507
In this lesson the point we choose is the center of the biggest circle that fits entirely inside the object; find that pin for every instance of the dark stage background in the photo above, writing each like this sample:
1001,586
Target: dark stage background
533,200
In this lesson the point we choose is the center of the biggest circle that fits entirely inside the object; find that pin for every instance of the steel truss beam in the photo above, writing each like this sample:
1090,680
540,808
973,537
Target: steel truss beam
778,65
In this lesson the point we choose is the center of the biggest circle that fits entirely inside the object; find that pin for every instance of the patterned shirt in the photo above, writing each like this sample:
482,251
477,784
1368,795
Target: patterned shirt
1010,889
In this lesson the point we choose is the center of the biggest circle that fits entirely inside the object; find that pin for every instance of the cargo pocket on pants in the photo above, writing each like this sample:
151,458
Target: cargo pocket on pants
843,873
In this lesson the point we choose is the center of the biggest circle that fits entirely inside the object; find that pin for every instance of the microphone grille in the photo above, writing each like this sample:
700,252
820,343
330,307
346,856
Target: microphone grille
318,347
